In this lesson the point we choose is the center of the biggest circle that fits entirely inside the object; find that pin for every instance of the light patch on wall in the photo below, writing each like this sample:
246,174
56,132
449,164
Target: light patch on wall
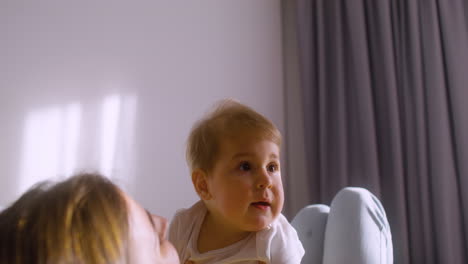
70,138
49,144
109,128
62,140
123,172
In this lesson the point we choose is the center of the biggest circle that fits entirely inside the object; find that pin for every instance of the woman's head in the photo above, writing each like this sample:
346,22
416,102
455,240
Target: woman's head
85,219
147,237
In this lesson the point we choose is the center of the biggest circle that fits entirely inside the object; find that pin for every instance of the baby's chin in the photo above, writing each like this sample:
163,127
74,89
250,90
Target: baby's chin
260,225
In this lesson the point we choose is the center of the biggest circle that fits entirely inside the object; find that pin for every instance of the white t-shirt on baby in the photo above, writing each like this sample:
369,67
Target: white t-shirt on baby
278,244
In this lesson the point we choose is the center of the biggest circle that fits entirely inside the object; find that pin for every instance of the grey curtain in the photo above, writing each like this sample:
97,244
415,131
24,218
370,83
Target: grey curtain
385,88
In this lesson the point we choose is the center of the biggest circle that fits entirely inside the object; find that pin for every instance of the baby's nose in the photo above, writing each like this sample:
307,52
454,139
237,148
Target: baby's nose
264,181
264,186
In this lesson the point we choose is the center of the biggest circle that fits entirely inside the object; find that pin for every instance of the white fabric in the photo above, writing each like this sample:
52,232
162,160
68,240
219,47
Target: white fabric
278,244
353,230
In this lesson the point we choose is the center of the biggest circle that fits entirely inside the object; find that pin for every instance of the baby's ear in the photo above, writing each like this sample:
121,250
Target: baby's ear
199,180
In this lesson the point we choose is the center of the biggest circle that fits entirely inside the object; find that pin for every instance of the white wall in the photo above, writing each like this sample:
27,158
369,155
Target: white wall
116,86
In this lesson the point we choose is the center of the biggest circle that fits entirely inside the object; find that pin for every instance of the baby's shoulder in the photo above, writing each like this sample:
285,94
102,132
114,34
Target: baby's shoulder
281,241
188,215
282,225
279,231
184,223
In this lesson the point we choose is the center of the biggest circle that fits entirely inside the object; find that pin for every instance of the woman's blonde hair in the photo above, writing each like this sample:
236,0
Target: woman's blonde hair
80,220
228,118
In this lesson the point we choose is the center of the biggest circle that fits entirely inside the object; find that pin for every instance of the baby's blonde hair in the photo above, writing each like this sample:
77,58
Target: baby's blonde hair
228,117
80,220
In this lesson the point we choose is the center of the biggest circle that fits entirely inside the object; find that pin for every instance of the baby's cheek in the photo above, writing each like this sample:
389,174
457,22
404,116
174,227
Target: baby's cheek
279,202
227,205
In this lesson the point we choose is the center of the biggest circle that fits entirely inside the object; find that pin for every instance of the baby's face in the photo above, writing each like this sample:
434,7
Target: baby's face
245,183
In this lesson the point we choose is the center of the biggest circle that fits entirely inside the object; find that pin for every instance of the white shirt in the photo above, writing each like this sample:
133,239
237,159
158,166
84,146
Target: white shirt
278,244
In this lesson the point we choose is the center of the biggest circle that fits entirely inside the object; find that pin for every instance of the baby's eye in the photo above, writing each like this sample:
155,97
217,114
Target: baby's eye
272,167
245,166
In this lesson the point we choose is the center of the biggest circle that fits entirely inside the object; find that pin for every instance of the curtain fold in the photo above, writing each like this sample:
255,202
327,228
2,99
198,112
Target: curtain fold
384,89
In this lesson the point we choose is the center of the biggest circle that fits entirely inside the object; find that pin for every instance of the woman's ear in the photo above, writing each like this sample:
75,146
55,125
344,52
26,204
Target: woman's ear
200,182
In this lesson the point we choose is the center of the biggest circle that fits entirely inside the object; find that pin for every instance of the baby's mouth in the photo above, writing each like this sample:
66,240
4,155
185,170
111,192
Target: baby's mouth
261,205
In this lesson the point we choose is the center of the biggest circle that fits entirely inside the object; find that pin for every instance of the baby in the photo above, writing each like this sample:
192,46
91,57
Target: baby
234,158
